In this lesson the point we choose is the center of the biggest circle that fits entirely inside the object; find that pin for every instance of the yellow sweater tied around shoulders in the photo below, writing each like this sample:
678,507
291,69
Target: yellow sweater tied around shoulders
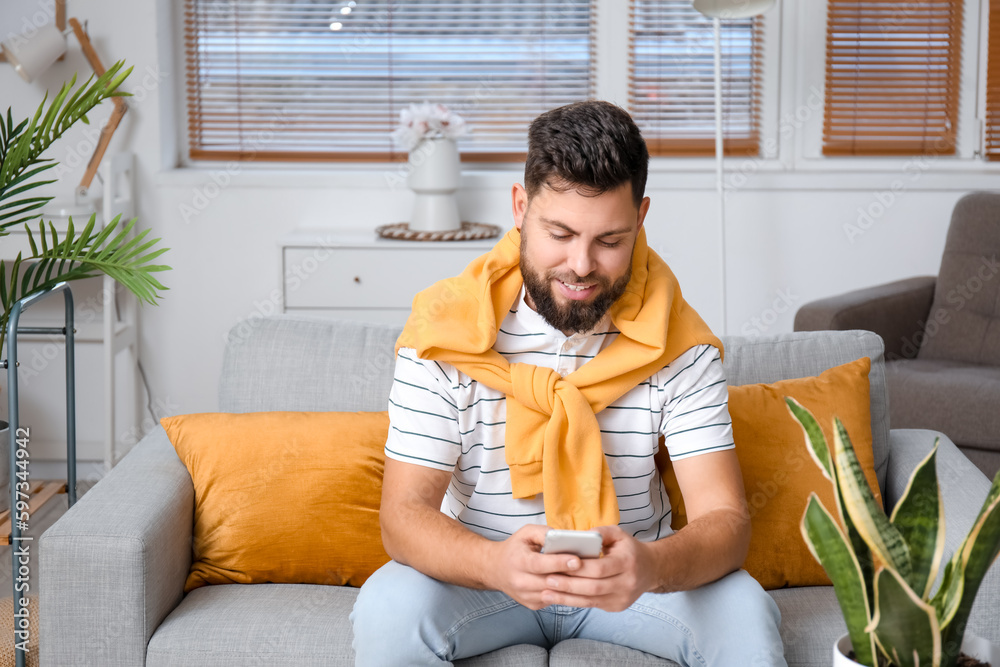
553,440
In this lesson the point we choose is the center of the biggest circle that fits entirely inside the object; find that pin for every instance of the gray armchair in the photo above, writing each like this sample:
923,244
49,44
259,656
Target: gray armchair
941,334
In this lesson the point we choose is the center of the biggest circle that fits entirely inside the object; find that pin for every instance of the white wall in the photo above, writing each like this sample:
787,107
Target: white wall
787,242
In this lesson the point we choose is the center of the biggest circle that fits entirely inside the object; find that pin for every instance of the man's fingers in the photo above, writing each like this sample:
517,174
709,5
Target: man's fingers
533,534
611,534
549,563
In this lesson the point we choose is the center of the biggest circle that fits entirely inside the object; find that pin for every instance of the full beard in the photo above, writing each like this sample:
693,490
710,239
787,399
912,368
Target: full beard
575,316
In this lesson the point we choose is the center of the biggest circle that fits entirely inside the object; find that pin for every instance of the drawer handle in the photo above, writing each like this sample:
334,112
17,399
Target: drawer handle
357,279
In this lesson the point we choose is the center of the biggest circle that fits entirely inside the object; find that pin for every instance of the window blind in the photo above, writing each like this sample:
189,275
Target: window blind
672,81
892,77
298,80
992,149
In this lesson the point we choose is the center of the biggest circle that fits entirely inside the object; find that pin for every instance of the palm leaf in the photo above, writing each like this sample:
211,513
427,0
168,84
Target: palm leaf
81,255
21,146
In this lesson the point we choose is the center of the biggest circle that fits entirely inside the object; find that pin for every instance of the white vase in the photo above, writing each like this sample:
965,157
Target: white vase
434,178
972,646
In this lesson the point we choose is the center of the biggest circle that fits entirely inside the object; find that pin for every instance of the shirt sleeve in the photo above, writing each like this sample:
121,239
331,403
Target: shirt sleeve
423,414
695,418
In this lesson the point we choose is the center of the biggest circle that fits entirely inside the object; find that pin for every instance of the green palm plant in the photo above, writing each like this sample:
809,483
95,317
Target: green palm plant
74,256
883,568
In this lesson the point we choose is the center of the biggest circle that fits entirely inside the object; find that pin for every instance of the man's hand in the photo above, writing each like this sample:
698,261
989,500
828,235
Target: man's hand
522,570
613,582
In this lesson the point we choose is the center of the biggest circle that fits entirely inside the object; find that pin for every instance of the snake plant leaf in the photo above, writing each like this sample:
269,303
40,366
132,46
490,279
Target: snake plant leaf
817,445
882,537
971,562
815,439
949,595
905,627
829,547
919,517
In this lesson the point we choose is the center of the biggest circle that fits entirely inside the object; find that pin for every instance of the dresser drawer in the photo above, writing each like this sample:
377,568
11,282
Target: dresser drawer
366,277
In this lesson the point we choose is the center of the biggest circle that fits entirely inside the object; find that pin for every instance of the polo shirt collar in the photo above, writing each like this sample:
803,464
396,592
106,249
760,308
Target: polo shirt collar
529,320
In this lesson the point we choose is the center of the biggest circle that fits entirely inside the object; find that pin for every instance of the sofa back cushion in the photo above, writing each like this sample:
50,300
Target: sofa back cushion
752,360
307,365
964,320
297,364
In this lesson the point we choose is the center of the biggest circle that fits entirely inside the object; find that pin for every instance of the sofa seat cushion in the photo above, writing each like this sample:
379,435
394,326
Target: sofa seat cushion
234,625
810,624
956,398
279,625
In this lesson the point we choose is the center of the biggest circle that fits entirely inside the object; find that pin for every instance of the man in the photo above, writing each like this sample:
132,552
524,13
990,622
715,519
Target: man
531,392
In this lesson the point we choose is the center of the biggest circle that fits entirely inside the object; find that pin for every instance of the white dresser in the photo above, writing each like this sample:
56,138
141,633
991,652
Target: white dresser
354,274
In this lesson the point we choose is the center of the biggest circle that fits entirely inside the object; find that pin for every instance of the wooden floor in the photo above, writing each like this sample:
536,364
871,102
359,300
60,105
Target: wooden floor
38,523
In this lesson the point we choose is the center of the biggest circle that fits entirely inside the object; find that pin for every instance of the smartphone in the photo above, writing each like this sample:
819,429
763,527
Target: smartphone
582,543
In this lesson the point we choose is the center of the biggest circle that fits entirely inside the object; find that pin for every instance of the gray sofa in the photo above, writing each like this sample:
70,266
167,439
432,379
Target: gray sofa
941,334
112,569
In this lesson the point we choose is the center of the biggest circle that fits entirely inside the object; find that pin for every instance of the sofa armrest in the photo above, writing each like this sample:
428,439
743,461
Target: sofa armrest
894,311
964,488
114,565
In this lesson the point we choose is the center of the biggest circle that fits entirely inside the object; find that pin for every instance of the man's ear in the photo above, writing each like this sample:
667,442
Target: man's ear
518,204
643,210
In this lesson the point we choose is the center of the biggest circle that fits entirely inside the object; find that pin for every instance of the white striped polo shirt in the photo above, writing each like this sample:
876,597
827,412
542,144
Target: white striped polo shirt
443,419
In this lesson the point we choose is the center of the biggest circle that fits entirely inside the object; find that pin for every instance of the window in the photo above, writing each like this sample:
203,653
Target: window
672,82
993,85
300,80
892,77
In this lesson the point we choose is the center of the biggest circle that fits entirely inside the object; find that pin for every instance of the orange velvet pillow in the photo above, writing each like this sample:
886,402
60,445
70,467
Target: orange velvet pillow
284,497
779,473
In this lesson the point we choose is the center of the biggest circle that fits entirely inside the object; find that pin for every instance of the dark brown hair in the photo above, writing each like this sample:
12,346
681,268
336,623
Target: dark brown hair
593,147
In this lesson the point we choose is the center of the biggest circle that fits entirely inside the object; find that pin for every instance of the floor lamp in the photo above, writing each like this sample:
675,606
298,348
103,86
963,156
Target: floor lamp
718,10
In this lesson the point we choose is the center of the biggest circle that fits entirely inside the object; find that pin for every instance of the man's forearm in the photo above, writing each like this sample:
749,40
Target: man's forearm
706,549
436,545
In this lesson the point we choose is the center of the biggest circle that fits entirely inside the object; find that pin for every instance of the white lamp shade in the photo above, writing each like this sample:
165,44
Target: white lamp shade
33,54
732,9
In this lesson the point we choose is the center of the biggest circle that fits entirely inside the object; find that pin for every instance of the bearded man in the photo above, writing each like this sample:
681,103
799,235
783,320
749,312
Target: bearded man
532,392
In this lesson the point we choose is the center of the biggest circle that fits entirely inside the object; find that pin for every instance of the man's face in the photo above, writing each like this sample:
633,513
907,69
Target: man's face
576,252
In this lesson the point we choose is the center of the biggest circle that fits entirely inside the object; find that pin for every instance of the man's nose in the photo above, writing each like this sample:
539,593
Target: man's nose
581,259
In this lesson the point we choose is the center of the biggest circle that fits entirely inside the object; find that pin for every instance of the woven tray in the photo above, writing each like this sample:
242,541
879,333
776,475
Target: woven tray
470,231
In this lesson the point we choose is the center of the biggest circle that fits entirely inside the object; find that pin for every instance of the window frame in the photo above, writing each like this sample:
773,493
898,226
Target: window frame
790,156
808,155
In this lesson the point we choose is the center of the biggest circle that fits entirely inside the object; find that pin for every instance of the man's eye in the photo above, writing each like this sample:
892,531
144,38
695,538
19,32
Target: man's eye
557,237
610,244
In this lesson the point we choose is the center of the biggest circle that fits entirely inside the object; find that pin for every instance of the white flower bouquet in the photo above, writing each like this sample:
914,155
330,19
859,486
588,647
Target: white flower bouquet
427,121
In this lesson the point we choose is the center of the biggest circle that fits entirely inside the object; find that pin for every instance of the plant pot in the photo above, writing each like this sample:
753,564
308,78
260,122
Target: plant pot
434,178
972,646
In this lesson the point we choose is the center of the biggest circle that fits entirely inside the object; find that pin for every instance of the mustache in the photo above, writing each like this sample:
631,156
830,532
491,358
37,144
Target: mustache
572,278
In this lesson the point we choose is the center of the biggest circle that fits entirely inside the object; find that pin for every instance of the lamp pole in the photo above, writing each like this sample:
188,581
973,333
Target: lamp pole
718,10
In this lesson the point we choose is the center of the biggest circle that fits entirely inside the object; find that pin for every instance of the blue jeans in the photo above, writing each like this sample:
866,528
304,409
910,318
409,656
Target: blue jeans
402,617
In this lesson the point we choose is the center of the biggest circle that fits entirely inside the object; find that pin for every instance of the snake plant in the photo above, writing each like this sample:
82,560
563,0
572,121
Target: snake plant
883,568
74,256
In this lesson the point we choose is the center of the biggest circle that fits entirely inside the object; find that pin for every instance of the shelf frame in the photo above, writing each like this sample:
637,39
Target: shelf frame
10,363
